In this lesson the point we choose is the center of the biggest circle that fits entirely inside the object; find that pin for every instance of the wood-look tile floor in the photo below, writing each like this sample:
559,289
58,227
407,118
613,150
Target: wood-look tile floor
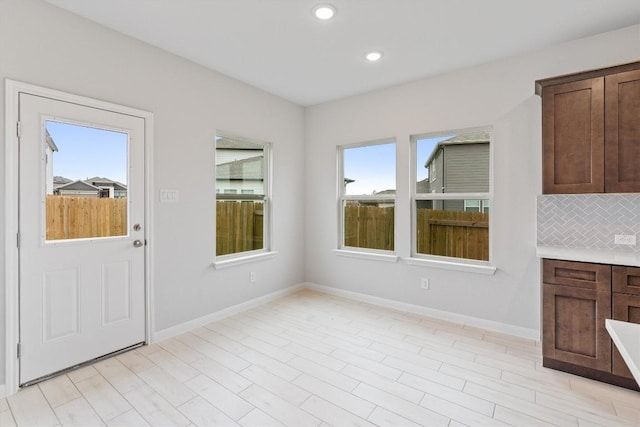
311,359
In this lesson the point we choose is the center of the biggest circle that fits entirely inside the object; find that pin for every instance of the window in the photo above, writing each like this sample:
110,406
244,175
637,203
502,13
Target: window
242,195
476,206
367,194
452,194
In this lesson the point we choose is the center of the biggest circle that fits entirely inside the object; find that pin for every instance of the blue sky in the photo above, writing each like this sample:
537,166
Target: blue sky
85,152
373,167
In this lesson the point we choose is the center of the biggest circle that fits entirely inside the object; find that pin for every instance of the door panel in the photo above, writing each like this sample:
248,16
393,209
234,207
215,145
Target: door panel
82,290
116,292
60,308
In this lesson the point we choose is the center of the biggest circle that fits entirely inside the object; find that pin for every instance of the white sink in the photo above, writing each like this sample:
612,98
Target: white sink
626,337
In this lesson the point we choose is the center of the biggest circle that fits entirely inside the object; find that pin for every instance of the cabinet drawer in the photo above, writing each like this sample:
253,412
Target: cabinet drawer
625,308
626,280
578,274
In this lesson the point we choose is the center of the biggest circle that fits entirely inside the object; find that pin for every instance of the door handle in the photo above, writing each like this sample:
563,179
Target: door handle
138,243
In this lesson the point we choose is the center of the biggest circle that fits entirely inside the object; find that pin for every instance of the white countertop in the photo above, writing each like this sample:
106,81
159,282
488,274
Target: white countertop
601,256
626,337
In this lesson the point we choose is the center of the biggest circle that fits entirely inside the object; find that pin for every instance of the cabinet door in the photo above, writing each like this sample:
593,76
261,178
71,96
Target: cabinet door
573,328
622,140
627,308
573,137
626,280
577,274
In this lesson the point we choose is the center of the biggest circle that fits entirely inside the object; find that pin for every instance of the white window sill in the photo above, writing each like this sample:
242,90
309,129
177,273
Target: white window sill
230,262
366,255
467,267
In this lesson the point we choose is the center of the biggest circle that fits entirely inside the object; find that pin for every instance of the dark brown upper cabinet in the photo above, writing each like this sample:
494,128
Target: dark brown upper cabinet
622,132
591,131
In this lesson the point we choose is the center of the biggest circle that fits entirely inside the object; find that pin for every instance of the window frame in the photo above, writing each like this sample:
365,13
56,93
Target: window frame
267,248
342,198
439,261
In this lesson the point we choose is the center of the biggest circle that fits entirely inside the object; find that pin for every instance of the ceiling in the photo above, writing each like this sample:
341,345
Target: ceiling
278,46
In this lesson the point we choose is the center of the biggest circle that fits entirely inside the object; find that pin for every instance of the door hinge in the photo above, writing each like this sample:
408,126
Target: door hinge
18,350
18,130
18,240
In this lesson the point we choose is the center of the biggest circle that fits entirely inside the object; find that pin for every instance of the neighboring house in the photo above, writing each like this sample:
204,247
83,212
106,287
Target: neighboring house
458,165
93,187
239,166
108,188
78,189
241,176
49,148
59,181
380,204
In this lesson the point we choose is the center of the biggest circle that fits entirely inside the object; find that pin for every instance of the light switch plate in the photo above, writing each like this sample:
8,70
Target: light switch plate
168,196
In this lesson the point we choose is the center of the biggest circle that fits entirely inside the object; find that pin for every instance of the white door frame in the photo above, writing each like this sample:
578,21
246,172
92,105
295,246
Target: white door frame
12,322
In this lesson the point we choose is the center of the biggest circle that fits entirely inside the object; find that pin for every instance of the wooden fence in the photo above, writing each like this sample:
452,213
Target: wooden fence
445,233
85,217
239,226
368,227
453,233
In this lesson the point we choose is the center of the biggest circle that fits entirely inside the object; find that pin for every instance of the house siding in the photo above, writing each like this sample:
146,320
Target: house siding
436,172
466,168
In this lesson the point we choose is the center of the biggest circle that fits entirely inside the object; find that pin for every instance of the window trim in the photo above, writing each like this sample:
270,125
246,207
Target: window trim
352,251
267,251
439,261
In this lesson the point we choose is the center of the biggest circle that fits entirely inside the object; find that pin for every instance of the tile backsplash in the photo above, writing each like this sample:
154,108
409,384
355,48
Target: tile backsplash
588,220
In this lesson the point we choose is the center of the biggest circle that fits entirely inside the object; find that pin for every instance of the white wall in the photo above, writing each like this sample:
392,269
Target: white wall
500,94
43,45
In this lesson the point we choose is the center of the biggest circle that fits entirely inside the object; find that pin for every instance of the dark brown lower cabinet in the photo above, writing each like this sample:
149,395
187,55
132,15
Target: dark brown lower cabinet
577,298
627,308
573,328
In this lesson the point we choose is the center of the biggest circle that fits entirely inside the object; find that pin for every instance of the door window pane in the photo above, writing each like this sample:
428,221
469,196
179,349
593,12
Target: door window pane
85,182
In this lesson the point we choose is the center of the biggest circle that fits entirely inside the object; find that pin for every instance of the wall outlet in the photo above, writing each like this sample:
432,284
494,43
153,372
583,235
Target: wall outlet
424,283
252,277
625,239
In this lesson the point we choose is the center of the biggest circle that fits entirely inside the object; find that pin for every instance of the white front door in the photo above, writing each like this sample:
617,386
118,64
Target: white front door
81,234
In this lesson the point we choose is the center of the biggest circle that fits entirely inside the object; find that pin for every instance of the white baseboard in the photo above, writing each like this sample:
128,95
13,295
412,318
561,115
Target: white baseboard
383,302
218,315
477,322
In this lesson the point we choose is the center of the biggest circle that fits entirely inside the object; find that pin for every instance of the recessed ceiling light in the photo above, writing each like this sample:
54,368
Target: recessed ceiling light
373,55
324,11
